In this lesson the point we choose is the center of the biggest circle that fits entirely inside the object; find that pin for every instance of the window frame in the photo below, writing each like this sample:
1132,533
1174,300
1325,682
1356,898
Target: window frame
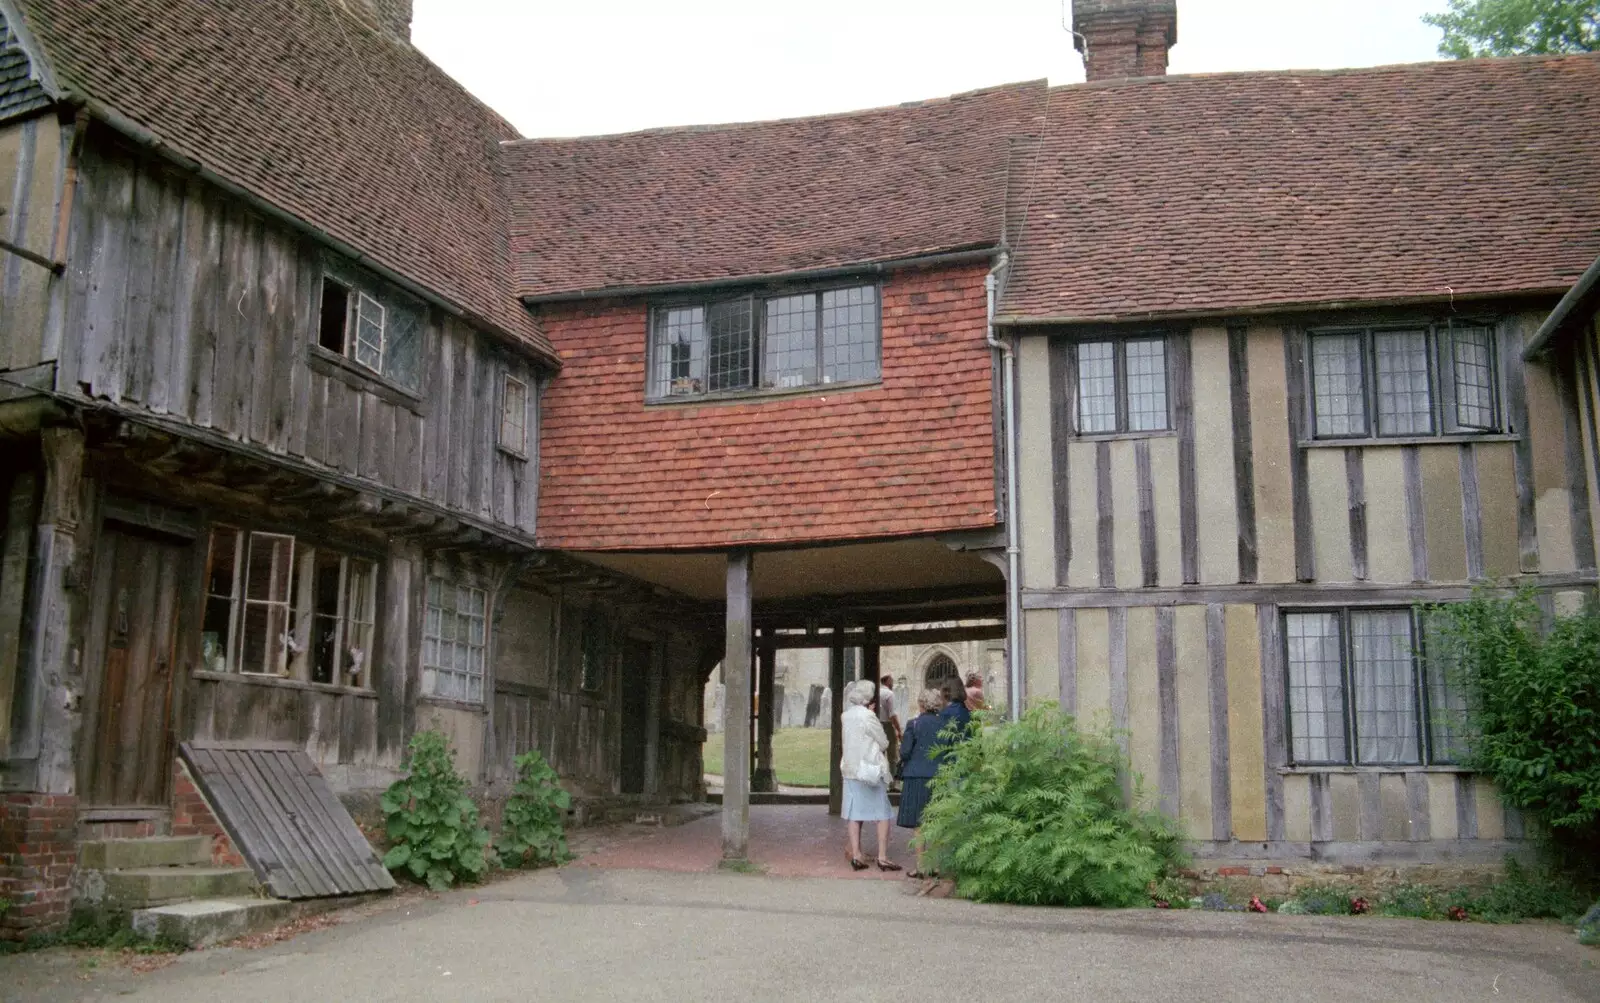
757,299
1119,359
301,616
431,671
520,448
392,307
1422,681
1443,393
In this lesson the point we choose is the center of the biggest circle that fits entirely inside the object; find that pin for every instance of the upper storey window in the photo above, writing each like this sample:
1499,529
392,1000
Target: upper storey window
764,343
1122,386
1404,382
366,323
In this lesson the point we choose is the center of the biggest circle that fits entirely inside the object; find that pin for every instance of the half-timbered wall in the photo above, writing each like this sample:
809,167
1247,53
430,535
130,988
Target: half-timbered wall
184,303
33,159
1157,568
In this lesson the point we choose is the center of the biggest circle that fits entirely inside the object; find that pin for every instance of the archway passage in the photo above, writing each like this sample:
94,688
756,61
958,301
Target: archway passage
940,668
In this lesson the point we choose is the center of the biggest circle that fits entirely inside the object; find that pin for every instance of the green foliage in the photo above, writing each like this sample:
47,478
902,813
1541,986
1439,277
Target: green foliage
1524,893
1589,927
1534,707
1322,900
96,930
1416,902
432,825
1517,27
1033,812
532,826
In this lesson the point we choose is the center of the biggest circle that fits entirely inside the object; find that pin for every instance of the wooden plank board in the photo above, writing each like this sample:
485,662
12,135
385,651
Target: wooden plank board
1149,570
1355,472
314,445
1577,482
1217,691
135,332
1067,655
1167,702
436,430
1274,714
1060,373
1183,408
203,281
161,334
108,284
285,820
1239,351
1105,521
1305,562
263,332
302,321
1416,512
1471,512
1522,448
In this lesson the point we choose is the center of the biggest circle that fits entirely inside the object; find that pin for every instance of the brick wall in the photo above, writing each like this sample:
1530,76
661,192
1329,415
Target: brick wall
38,849
912,455
192,816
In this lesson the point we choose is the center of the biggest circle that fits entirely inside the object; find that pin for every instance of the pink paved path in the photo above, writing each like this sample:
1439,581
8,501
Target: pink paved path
787,840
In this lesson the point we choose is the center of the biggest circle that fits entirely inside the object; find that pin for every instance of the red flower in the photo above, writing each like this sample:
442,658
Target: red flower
1359,905
1256,905
1457,913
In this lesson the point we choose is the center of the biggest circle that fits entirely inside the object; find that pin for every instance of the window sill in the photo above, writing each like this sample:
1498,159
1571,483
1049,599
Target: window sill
452,704
745,396
281,682
1411,440
1371,768
512,454
1159,433
358,377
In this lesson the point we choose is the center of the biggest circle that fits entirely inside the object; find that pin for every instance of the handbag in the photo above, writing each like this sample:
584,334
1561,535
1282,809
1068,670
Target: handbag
872,768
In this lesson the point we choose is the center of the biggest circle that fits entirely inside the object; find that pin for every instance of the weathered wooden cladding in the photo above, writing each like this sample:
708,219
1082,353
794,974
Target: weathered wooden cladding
1243,460
185,303
33,158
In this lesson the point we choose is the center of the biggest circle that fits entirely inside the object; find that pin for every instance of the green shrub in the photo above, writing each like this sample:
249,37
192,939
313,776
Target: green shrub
1525,893
1534,706
90,929
1415,902
532,826
432,825
1033,812
1323,900
1589,927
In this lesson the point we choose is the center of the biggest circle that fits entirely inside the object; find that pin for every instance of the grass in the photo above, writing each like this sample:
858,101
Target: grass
800,755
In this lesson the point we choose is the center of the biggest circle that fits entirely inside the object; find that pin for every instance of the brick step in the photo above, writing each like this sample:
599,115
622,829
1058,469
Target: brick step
153,851
142,887
203,922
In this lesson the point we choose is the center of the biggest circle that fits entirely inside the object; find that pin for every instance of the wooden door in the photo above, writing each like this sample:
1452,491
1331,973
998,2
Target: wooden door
635,713
134,612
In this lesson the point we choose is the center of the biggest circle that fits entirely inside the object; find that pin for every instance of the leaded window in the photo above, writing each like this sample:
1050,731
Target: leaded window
1403,382
455,641
376,328
753,343
514,416
1122,386
1362,687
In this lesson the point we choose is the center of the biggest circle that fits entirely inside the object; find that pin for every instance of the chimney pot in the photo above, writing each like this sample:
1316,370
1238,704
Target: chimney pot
1124,38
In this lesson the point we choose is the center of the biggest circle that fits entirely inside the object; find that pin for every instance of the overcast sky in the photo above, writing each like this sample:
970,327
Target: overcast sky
587,67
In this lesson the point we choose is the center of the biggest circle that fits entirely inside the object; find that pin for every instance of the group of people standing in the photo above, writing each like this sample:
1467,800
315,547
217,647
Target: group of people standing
874,738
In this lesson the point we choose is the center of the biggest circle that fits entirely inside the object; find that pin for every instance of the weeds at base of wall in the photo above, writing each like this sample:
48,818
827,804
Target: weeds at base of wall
89,929
737,865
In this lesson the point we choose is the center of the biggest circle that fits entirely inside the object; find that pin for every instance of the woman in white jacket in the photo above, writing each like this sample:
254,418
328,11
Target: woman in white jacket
866,773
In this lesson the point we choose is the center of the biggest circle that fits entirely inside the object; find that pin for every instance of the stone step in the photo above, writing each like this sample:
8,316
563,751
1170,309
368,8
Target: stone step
141,887
203,922
153,851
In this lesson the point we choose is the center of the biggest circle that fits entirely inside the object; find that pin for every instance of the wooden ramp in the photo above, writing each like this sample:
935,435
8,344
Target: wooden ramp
285,820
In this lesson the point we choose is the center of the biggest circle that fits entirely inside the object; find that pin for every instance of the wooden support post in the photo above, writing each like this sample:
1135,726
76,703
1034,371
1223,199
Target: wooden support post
766,779
836,733
869,659
652,716
736,710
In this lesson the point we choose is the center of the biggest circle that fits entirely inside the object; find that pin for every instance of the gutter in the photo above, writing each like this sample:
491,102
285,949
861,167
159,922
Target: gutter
144,137
1582,292
1008,377
984,253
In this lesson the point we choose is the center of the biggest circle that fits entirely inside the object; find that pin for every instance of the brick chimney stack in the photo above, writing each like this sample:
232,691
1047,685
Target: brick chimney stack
1124,38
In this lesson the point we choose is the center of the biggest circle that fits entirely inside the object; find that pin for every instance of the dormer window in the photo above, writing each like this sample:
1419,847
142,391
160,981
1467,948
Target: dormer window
764,343
371,326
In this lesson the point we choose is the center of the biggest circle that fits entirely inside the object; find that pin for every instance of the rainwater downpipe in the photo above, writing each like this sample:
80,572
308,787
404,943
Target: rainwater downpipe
1008,424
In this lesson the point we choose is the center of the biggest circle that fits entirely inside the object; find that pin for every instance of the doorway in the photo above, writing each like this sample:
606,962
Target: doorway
636,669
133,627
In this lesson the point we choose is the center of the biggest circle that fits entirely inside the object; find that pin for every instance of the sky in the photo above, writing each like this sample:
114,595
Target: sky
590,67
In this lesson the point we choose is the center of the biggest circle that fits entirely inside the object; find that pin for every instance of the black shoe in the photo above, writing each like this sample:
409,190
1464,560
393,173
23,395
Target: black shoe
857,864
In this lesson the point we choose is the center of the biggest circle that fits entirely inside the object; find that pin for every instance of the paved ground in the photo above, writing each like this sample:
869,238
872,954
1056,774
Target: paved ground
605,929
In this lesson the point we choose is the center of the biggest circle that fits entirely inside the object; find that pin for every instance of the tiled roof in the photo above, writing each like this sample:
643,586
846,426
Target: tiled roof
1250,191
20,90
318,112
677,206
912,456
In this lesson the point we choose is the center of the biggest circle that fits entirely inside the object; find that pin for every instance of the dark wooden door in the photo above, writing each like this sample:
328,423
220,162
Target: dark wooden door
135,612
635,713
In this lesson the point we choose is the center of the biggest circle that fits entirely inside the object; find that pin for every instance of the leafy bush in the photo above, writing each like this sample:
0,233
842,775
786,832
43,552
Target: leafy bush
1589,927
1415,902
1524,893
531,830
1534,707
1033,812
431,823
1324,900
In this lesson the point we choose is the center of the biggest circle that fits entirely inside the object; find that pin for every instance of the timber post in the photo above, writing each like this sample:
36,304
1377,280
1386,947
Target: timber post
766,778
736,709
835,734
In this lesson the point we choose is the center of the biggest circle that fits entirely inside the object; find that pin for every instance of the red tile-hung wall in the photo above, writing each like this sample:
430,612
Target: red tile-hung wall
914,455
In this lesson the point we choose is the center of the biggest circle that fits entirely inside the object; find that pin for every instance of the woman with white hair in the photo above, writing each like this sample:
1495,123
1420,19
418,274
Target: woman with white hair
866,773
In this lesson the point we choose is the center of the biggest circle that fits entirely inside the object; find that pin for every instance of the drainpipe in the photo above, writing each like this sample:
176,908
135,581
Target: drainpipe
1008,421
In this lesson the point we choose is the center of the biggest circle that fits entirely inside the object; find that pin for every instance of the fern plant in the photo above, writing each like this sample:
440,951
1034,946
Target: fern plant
531,830
1033,812
431,823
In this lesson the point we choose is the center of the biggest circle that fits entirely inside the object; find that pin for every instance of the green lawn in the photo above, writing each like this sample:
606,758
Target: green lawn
800,755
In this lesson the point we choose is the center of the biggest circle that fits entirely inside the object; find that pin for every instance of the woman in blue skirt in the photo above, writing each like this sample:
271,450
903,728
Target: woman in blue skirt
919,747
866,773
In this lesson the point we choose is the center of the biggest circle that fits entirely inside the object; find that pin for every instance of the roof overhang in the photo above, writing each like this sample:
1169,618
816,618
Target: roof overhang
983,252
1574,308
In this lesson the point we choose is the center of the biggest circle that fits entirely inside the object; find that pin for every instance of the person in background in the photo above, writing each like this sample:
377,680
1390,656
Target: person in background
955,707
918,765
975,699
866,774
889,716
